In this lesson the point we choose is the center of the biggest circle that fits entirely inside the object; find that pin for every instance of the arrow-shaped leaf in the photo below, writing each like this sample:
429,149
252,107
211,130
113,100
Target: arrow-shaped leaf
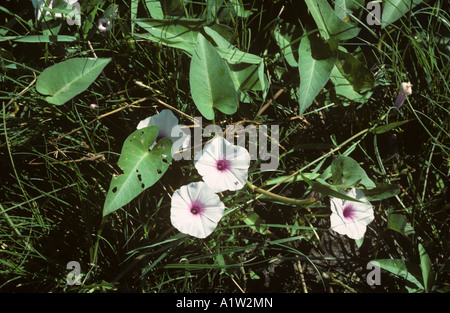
329,24
210,81
141,167
63,81
314,72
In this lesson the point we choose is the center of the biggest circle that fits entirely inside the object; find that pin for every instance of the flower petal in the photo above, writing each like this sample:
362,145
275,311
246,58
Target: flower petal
231,178
167,124
355,226
198,225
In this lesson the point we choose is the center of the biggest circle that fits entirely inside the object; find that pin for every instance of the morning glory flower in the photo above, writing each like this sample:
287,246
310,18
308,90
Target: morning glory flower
349,217
404,91
196,210
222,165
167,124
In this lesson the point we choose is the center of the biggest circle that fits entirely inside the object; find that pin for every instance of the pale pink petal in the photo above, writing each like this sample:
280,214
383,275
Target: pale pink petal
222,165
353,225
168,127
210,211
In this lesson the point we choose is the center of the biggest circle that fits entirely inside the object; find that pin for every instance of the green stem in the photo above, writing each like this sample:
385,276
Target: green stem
280,198
324,156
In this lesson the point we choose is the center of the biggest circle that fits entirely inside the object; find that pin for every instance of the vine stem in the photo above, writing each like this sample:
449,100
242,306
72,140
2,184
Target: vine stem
280,198
323,156
302,202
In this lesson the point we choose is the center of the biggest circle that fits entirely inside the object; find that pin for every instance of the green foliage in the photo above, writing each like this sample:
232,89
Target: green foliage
328,22
210,80
177,34
142,166
314,71
347,173
63,81
395,9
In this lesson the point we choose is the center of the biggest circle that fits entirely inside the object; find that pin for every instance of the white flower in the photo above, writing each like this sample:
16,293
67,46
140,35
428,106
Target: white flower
222,165
349,217
167,124
196,210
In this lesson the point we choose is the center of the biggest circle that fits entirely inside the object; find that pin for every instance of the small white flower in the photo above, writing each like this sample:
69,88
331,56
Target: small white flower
349,217
222,165
196,210
167,124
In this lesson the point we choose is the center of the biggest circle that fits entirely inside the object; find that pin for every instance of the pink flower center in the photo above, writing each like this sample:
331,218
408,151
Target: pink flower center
196,208
223,165
348,211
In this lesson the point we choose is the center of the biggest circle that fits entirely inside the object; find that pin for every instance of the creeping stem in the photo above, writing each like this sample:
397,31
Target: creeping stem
277,197
303,202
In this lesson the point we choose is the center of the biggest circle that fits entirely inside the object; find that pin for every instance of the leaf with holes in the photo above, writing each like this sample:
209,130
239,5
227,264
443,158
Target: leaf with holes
141,167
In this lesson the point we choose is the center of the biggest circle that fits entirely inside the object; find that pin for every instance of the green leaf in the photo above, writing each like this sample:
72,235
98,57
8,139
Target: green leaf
344,8
381,191
284,34
355,72
254,222
63,81
344,89
395,9
427,269
398,223
133,8
327,190
329,24
385,128
210,81
288,179
141,167
229,52
180,34
154,6
39,38
314,71
245,77
404,269
242,65
346,172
